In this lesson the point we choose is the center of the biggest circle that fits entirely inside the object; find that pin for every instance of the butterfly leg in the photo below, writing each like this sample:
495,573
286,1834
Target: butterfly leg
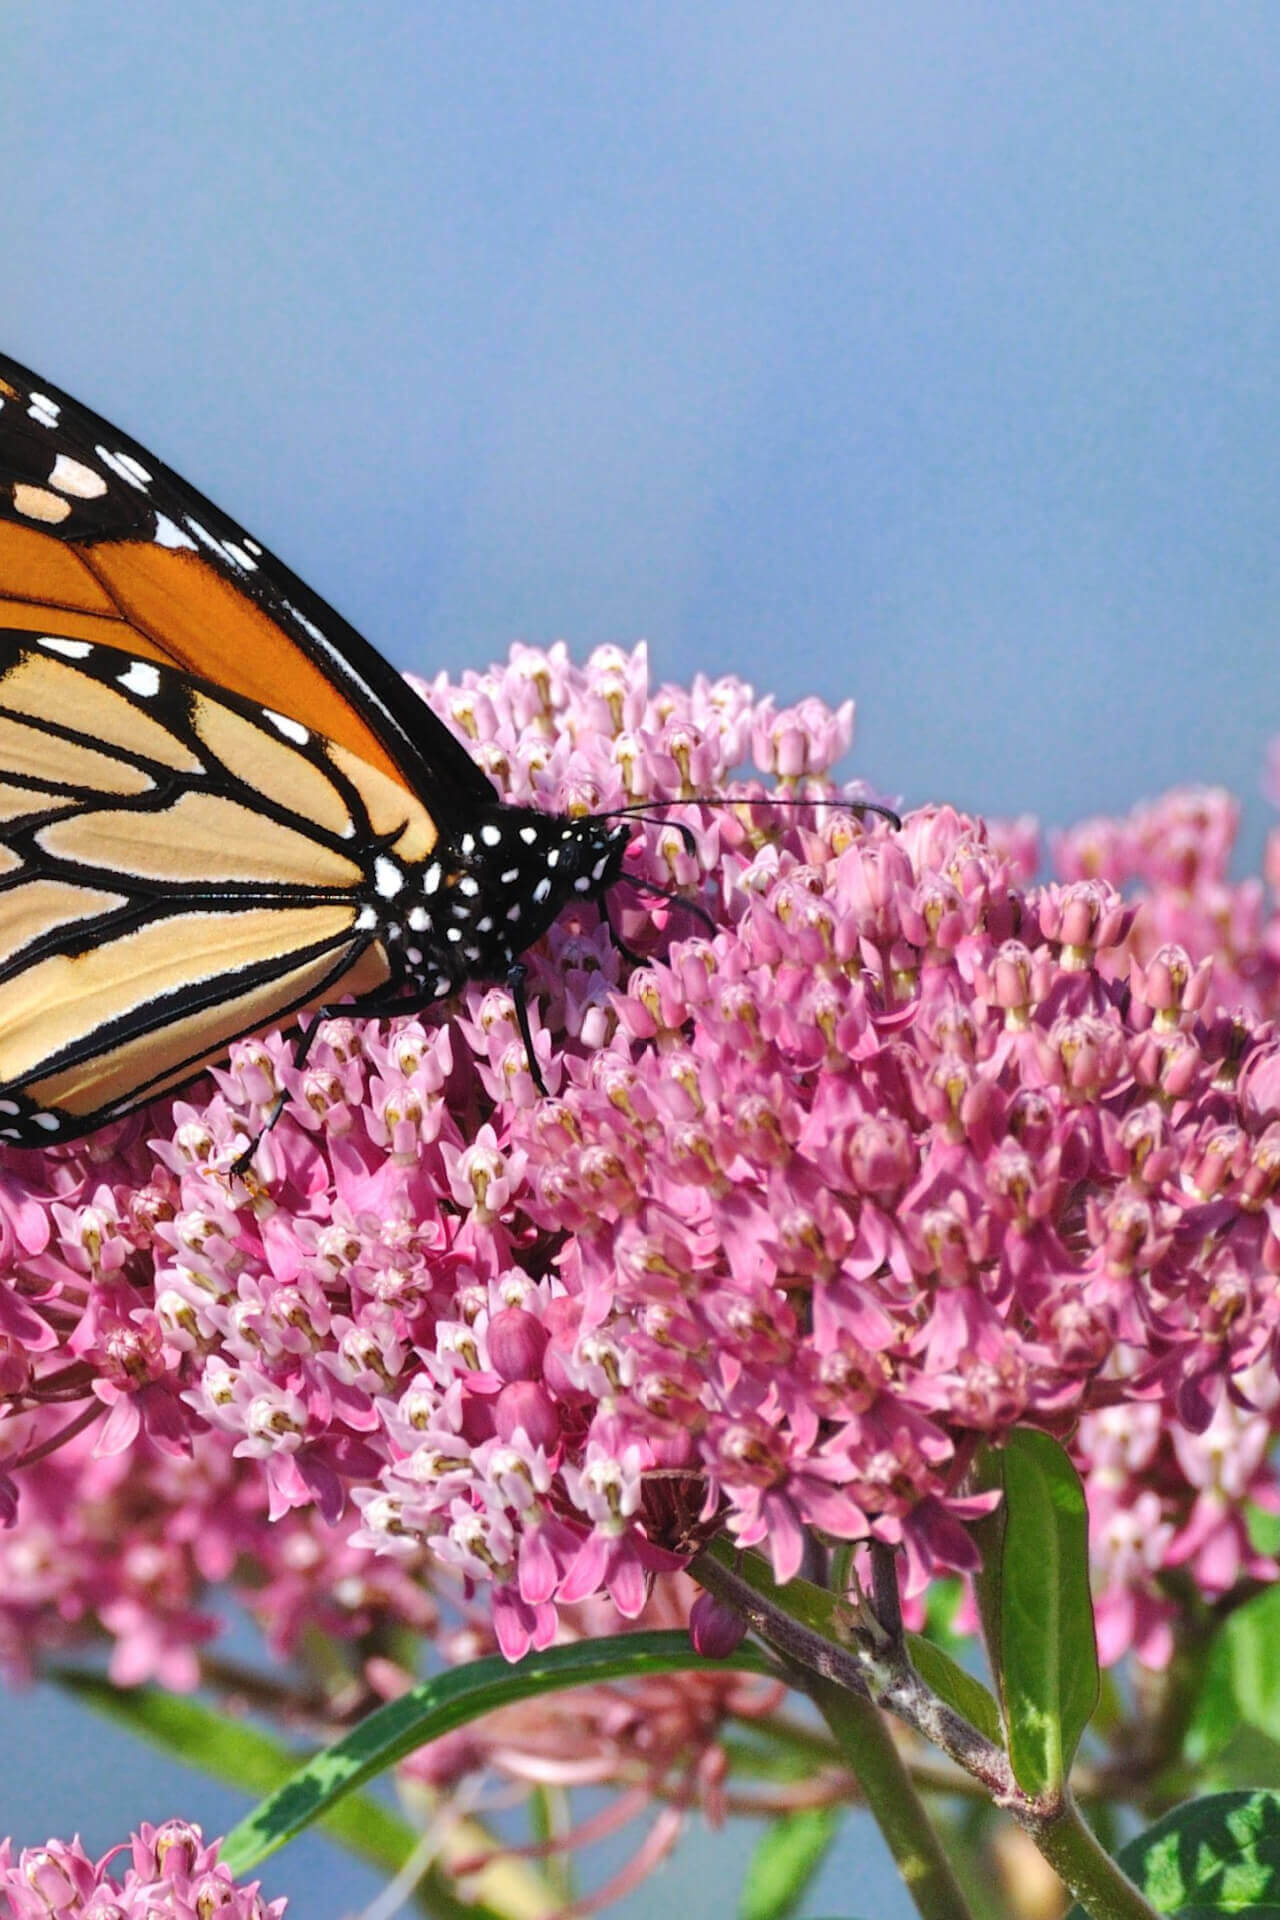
517,973
307,1031
387,1009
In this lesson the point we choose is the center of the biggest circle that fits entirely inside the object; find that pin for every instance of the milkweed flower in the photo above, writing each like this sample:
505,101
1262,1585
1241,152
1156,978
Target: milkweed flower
902,1150
163,1873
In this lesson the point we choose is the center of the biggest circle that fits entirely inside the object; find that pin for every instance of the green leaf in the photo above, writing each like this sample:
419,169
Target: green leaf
451,1700
1263,1528
786,1858
987,1475
239,1755
959,1689
942,1602
1249,1759
1034,1598
1242,1680
1214,1856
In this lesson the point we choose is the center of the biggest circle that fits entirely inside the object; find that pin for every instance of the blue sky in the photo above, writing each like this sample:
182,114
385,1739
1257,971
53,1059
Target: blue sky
925,352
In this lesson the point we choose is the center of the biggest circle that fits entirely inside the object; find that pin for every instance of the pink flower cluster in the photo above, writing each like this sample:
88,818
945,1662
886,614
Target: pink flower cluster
908,1151
129,1546
170,1875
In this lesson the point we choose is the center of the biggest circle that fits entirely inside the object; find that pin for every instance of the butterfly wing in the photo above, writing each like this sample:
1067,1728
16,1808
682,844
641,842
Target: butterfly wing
100,541
178,867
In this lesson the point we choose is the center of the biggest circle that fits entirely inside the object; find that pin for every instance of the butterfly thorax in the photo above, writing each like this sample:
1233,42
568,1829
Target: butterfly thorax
489,891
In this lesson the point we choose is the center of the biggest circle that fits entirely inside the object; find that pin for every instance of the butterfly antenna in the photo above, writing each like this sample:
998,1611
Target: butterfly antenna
627,952
672,894
650,810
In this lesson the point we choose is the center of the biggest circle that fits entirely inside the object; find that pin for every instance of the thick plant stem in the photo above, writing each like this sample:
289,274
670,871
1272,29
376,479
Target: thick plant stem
1103,1889
867,1747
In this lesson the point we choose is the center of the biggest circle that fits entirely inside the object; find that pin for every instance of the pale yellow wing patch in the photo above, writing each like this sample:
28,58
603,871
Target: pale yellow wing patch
202,839
38,907
391,808
147,1065
33,753
271,768
63,1000
47,689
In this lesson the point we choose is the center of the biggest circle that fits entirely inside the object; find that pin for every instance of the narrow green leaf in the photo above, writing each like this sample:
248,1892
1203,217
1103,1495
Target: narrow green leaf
985,1476
786,1858
240,1756
451,1700
1215,1856
250,1760
752,1758
959,1689
1242,1679
1034,1598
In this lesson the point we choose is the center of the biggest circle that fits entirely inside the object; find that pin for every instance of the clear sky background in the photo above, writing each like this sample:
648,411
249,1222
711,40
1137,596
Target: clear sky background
924,351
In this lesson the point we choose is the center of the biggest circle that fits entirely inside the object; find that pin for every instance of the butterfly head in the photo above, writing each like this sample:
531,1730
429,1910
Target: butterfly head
515,870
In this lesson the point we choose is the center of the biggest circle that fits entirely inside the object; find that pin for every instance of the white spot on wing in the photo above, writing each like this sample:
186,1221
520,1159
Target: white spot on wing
367,918
541,891
42,409
291,729
468,843
468,885
115,463
387,877
553,857
510,877
432,880
238,557
135,469
72,476
141,678
491,835
528,835
70,649
49,1121
418,919
169,534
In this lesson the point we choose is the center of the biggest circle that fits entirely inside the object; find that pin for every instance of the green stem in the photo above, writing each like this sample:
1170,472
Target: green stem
808,1742
1103,1889
863,1736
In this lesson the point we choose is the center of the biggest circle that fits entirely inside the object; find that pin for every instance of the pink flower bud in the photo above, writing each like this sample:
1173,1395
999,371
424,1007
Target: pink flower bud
715,1628
525,1405
517,1341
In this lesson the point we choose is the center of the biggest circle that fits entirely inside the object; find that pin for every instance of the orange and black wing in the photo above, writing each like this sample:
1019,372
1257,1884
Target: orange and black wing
100,541
179,866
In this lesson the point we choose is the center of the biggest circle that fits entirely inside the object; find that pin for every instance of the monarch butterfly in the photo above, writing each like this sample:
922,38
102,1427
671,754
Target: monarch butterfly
220,807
